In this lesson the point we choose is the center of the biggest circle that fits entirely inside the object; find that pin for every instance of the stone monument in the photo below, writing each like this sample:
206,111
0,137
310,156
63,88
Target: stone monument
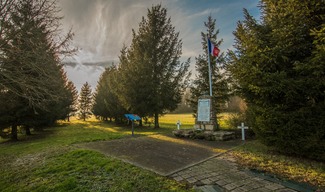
206,116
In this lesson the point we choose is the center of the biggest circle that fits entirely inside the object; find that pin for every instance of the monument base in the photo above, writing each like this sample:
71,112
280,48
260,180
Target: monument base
206,135
206,127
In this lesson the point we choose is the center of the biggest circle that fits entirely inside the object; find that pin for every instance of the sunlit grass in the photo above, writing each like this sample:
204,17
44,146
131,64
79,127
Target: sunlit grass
257,156
185,119
188,120
48,161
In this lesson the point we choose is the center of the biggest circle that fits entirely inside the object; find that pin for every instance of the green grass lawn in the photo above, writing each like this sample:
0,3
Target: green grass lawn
47,161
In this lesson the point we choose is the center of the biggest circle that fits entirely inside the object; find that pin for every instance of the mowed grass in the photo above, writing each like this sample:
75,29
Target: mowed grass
48,161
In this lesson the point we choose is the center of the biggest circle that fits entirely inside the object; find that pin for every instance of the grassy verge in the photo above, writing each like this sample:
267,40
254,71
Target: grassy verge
47,161
255,155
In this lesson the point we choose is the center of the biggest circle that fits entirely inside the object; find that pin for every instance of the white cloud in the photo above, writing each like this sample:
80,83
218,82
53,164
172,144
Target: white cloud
205,12
101,27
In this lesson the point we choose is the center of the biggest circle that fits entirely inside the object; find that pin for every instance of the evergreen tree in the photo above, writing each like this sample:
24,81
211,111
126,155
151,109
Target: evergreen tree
200,85
101,95
279,69
72,99
85,101
104,98
151,74
30,34
30,74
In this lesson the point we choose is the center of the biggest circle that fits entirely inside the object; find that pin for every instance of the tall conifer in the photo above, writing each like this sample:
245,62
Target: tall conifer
279,71
153,77
85,101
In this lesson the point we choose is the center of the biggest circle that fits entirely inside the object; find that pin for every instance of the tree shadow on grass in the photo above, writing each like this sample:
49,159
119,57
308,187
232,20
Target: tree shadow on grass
36,134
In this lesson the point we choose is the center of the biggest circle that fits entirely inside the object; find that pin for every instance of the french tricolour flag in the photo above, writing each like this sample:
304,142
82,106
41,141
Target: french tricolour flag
213,50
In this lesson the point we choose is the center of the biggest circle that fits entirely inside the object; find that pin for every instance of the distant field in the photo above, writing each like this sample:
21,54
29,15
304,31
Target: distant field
187,120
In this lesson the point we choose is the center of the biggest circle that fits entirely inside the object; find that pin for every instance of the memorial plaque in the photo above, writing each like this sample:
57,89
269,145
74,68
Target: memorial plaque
203,112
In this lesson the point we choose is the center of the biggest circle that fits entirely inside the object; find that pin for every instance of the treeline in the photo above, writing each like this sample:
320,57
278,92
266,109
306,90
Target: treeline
34,89
150,78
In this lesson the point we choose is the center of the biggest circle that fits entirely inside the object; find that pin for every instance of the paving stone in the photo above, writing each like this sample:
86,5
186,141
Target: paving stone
201,177
228,180
207,181
208,188
274,186
178,178
222,182
262,189
187,176
258,183
240,189
248,187
230,186
192,180
257,179
217,178
285,190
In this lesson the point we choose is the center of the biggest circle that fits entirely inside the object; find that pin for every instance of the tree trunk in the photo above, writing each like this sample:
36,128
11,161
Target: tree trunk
156,120
28,130
14,134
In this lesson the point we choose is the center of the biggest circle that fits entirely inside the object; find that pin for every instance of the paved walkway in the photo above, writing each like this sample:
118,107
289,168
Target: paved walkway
222,174
203,164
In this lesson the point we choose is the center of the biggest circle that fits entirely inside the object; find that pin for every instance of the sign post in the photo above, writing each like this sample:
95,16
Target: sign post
132,118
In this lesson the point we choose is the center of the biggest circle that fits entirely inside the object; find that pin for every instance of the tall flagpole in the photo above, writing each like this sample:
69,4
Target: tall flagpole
210,78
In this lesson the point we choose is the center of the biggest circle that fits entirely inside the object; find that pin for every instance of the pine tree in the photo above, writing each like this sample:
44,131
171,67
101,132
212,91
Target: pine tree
279,69
72,99
200,85
153,77
30,73
30,35
85,101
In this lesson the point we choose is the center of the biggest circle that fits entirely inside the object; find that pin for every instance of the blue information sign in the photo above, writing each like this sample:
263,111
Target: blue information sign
132,117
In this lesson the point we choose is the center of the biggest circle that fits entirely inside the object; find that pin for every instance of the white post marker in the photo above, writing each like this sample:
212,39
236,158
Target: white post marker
242,127
178,124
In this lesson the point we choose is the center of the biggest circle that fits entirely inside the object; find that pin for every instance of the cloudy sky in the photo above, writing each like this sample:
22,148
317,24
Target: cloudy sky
101,27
